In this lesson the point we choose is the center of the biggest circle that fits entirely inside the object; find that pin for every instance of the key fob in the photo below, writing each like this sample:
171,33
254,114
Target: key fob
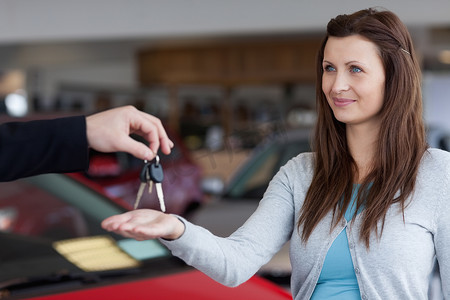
156,173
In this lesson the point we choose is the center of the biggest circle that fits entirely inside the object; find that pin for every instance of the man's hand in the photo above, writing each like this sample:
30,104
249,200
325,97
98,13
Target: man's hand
109,131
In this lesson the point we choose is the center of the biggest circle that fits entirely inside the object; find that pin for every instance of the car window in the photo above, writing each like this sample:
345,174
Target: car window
444,143
291,150
255,175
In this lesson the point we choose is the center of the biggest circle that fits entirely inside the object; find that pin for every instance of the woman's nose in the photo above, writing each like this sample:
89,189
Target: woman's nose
340,83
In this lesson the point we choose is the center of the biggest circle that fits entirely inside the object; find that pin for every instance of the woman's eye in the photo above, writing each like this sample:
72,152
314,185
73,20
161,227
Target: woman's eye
329,68
355,69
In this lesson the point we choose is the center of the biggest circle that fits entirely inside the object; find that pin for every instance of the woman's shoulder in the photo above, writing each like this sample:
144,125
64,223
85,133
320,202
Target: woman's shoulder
304,158
437,157
302,162
435,164
298,170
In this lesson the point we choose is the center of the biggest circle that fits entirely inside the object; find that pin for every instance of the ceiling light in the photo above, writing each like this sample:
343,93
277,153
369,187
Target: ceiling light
17,104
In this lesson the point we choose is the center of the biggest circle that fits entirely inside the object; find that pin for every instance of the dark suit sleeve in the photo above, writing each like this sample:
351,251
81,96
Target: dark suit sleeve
44,146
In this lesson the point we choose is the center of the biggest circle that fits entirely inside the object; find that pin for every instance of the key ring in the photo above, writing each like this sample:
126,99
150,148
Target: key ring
157,160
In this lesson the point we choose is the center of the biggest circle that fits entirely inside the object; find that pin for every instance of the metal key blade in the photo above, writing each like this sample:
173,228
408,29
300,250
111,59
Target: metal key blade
160,194
156,176
150,186
139,194
144,177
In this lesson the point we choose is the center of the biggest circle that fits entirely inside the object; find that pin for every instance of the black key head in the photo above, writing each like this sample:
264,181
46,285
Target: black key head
144,176
156,172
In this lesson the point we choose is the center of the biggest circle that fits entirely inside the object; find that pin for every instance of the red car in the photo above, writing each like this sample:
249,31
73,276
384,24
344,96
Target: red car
185,285
119,173
53,247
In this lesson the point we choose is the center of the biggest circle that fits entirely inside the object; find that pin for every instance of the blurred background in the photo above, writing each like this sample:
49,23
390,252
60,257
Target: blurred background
233,82
222,75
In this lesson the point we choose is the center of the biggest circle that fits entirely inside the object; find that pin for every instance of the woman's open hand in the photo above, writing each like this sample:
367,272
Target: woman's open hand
145,224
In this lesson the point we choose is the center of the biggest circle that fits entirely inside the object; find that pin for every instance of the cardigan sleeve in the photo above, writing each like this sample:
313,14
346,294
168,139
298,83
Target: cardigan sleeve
233,260
442,241
43,146
440,174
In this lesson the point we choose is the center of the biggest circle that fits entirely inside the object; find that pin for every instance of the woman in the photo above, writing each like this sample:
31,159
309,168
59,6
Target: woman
367,213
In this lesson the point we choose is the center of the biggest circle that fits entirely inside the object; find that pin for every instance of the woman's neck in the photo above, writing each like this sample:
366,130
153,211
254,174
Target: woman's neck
362,143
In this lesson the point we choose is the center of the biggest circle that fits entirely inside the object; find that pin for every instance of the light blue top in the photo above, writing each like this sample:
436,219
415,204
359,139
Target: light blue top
337,280
398,264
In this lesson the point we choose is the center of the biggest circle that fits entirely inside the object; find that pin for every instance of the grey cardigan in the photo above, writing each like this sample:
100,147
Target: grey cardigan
397,266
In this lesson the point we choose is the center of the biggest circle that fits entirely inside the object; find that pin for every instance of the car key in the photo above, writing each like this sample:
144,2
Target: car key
157,176
144,177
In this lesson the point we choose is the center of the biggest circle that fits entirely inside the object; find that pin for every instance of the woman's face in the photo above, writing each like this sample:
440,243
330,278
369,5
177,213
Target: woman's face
353,80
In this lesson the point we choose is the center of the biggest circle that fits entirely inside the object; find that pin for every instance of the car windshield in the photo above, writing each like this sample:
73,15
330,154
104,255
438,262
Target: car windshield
50,224
254,177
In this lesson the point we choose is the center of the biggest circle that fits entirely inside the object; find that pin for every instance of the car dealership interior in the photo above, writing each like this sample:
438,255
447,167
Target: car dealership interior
233,82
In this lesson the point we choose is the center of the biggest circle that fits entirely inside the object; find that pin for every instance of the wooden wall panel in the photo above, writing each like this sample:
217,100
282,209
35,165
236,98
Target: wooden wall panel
230,64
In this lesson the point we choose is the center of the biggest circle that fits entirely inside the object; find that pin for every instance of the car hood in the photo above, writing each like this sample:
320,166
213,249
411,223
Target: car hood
186,285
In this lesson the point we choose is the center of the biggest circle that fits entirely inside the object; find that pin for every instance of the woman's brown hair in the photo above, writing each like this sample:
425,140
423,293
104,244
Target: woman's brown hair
401,141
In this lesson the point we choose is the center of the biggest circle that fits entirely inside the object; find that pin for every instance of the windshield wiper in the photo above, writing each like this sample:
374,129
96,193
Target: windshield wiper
20,284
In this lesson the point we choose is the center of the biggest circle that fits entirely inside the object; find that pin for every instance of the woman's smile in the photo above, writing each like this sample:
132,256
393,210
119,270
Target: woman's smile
342,102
